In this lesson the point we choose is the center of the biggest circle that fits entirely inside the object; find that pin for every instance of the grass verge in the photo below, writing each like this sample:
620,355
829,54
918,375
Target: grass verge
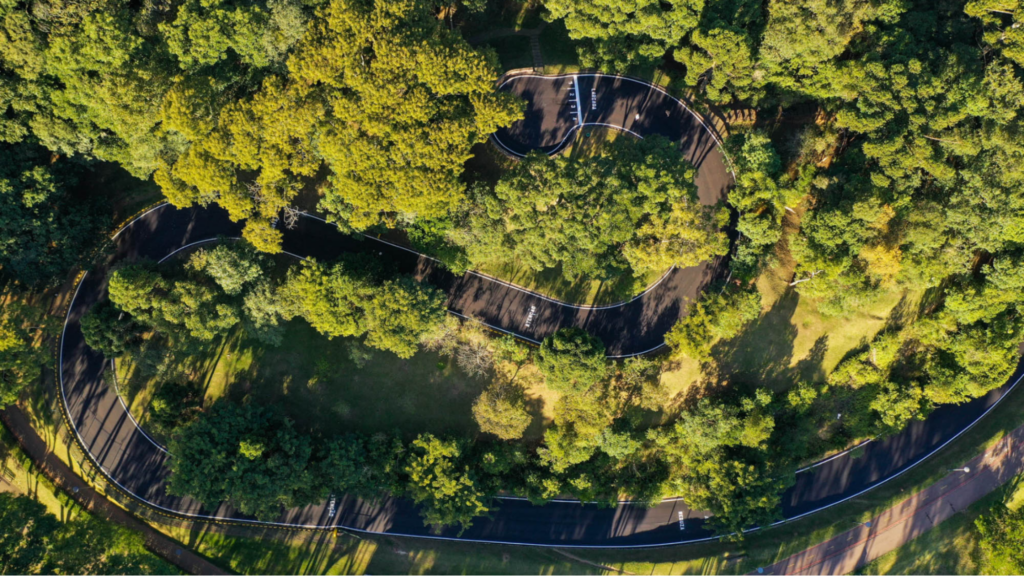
19,475
953,547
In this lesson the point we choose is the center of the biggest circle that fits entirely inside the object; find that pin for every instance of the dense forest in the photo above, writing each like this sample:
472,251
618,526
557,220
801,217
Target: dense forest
895,166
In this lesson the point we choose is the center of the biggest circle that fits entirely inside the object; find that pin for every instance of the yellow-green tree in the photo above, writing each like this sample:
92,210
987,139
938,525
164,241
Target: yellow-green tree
407,99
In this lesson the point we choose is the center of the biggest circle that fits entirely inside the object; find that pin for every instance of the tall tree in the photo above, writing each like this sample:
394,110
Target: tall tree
442,484
572,360
634,207
44,229
343,300
246,456
21,355
623,33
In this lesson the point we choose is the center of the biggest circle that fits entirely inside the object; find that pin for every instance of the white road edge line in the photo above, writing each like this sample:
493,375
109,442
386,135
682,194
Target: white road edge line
89,455
698,117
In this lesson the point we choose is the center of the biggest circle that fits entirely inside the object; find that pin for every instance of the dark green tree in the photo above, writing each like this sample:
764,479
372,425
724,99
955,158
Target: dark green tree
21,354
109,330
244,455
44,229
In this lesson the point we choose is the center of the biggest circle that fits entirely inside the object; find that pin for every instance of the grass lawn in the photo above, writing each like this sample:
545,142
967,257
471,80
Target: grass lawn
317,383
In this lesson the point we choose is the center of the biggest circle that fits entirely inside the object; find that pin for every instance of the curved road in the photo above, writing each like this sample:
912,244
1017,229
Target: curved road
131,460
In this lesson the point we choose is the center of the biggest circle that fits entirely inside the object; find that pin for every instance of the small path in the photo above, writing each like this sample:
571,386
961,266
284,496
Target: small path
503,32
912,517
64,478
538,58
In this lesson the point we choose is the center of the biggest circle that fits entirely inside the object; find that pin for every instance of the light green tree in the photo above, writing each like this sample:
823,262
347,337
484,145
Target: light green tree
442,484
572,360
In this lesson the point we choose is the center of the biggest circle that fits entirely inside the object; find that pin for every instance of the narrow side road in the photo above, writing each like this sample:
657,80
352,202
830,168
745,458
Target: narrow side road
67,480
912,517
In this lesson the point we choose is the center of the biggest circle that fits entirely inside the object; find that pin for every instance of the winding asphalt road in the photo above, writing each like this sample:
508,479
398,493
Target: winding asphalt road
139,466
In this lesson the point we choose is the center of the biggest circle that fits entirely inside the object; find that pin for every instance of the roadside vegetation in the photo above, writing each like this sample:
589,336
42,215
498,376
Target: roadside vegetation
873,239
984,539
46,532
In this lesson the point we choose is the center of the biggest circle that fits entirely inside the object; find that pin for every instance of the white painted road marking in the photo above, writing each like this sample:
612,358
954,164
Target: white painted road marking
529,317
593,99
579,107
682,521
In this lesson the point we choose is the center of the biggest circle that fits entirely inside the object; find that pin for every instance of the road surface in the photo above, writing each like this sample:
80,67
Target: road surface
139,466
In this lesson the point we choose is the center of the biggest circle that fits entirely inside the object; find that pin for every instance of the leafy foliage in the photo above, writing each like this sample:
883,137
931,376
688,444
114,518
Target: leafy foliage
501,410
339,301
572,360
21,360
245,456
83,545
633,208
442,484
43,230
109,330
718,316
1002,532
244,104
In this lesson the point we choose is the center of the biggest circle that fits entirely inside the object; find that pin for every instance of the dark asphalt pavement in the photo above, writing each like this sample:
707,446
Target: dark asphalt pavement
139,466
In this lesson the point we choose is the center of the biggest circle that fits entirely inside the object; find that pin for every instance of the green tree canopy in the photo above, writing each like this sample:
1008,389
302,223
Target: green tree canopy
109,330
84,544
44,230
572,360
717,316
624,33
246,456
21,354
174,305
442,484
633,208
343,300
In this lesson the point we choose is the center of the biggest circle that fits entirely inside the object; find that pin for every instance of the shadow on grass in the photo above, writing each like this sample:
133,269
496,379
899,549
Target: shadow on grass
333,386
763,353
